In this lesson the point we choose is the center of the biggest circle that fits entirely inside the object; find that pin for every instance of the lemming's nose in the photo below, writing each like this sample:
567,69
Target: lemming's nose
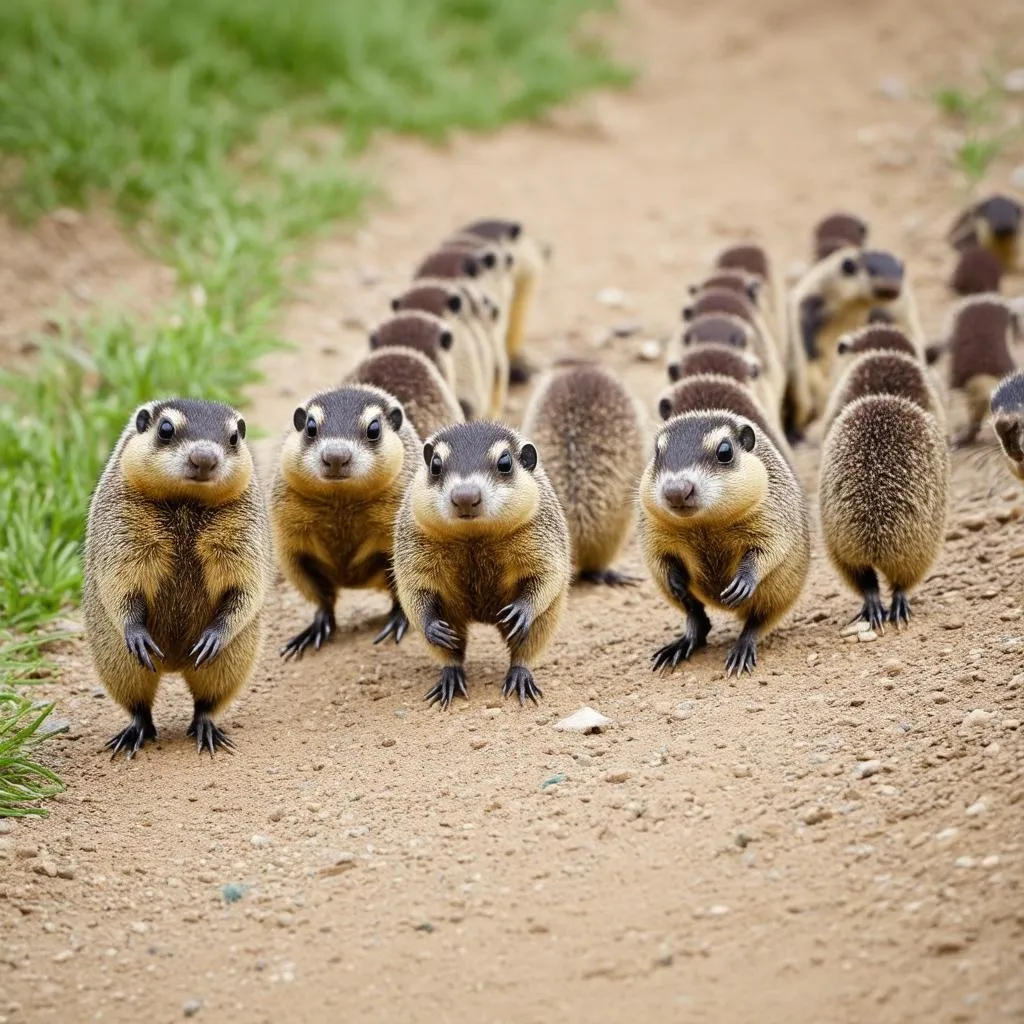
678,492
466,497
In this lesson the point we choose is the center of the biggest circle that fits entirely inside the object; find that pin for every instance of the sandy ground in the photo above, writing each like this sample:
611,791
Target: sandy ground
722,853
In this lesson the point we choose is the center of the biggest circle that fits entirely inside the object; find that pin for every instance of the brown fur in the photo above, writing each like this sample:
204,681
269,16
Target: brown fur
748,285
979,355
884,495
770,384
458,572
420,332
752,259
717,329
716,359
885,373
472,359
177,559
415,382
332,535
752,518
589,432
977,271
1007,406
835,231
721,300
876,337
449,264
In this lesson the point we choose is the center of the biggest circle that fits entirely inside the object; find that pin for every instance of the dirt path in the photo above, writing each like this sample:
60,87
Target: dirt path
721,854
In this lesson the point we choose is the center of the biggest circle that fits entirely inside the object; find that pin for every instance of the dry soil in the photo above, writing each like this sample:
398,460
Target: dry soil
837,838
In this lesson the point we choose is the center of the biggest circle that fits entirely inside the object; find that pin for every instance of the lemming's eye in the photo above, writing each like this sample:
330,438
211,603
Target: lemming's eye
233,439
849,267
724,453
373,430
505,463
311,427
165,430
435,466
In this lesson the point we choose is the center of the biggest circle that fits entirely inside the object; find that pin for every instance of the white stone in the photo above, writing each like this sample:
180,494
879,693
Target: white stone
584,720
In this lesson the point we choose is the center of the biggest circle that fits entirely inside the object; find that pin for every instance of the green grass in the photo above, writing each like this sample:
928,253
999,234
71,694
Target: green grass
985,114
23,726
194,120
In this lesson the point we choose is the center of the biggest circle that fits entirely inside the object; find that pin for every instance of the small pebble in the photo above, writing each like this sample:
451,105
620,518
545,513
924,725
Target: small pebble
866,769
613,298
953,624
991,861
857,626
965,862
946,834
191,1008
978,807
649,351
478,744
586,720
893,667
259,840
815,815
977,718
618,776
867,637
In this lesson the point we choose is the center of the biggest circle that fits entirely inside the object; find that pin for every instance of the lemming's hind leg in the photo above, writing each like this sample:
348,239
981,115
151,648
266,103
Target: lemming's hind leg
743,656
133,735
215,683
131,684
396,625
899,612
698,625
872,611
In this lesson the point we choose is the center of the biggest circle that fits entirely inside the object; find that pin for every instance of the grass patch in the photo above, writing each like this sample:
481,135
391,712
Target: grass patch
164,109
23,726
987,118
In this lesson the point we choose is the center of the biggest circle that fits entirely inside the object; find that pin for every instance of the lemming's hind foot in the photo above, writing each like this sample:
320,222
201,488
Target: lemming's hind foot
207,736
873,612
317,634
743,656
899,613
519,681
396,625
452,682
608,578
667,658
131,738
